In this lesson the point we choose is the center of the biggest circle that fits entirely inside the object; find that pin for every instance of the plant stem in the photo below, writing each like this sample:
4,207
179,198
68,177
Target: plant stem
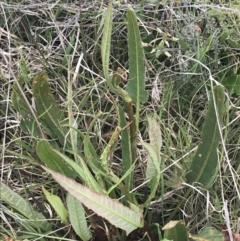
133,134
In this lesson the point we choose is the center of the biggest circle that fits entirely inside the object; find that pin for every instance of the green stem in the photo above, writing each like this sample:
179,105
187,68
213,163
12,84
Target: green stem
116,79
133,133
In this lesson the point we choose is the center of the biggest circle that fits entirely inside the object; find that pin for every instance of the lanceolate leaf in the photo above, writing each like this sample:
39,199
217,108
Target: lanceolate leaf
51,158
157,173
57,205
77,218
24,207
204,166
136,83
49,112
106,41
28,124
112,210
81,168
156,144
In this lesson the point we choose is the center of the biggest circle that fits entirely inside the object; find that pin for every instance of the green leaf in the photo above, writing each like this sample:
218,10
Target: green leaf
205,164
51,158
23,207
175,230
51,116
136,83
112,210
74,165
57,205
27,123
233,43
156,178
209,234
126,149
73,123
205,47
106,41
232,84
82,169
153,167
226,33
156,144
77,218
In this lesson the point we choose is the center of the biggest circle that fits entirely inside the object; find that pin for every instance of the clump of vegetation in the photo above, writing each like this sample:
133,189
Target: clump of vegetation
126,128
